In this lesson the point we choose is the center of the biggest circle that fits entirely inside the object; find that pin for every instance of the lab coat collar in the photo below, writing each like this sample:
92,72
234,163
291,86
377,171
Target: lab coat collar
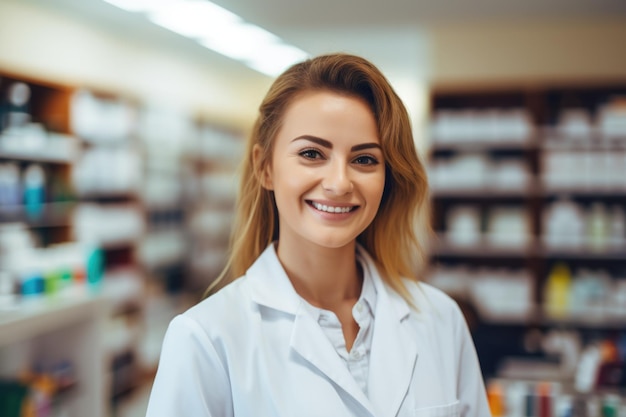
399,305
270,286
394,350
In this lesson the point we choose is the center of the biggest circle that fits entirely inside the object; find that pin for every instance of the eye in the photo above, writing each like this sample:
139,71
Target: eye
310,154
365,160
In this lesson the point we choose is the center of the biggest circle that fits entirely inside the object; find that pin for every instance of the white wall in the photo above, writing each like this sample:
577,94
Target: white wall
45,44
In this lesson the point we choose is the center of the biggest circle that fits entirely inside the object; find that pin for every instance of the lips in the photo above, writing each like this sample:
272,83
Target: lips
336,209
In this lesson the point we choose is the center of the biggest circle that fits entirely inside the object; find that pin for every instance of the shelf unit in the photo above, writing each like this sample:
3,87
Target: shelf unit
493,149
46,332
36,134
172,209
166,136
108,180
212,195
49,129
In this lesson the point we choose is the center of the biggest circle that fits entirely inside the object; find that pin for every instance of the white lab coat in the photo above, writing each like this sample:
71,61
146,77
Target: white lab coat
252,350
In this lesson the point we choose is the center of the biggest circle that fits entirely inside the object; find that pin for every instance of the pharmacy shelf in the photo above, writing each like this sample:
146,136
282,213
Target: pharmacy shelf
609,254
485,146
443,248
594,142
31,318
587,320
586,193
54,214
67,328
38,155
106,196
484,193
565,160
592,320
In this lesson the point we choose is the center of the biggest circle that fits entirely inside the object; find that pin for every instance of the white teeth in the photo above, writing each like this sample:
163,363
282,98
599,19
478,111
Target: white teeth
330,209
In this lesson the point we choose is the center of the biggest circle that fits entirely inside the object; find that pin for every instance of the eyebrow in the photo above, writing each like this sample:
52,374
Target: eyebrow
327,144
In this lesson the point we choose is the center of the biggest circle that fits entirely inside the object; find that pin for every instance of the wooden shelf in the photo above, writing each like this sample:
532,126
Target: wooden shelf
112,196
556,140
486,250
538,317
481,250
484,146
550,158
603,193
54,214
484,193
609,254
543,106
41,155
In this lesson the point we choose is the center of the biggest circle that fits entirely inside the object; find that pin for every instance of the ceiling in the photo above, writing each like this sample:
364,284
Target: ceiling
381,30
290,15
391,33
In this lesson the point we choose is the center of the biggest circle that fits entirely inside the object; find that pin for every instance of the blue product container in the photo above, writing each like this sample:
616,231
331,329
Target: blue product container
95,268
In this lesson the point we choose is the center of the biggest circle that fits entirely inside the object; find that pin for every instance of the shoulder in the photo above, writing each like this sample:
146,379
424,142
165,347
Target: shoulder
440,315
433,302
229,308
424,293
425,298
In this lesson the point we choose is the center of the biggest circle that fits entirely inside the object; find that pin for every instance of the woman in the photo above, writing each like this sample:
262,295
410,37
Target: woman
322,317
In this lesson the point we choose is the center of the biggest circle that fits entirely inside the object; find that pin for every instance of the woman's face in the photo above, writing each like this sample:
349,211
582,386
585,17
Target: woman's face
327,170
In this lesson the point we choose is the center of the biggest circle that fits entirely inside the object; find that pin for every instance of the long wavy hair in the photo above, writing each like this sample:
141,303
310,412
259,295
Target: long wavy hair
391,238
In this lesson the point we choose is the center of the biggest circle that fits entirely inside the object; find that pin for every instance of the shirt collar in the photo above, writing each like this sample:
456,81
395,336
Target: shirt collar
368,292
270,286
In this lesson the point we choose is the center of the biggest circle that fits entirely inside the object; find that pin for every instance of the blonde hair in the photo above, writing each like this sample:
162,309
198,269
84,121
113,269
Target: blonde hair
390,239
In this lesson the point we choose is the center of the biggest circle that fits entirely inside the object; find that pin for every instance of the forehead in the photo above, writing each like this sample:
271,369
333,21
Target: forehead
329,113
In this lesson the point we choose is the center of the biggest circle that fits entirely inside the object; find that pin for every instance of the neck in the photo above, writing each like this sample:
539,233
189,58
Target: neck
325,277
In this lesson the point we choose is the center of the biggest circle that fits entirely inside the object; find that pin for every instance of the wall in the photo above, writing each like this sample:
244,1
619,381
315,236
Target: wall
65,50
46,44
537,50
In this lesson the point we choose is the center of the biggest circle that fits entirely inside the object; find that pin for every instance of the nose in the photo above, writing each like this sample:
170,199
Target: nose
337,179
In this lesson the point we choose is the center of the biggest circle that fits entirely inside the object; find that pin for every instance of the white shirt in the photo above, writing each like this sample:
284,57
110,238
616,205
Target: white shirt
357,360
253,350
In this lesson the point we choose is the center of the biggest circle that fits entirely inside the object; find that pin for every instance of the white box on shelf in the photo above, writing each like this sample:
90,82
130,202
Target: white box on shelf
162,248
108,225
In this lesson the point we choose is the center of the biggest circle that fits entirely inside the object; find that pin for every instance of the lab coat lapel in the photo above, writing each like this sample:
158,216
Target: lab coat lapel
310,342
271,287
394,351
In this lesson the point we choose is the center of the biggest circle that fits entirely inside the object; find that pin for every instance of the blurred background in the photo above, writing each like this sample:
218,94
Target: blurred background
122,124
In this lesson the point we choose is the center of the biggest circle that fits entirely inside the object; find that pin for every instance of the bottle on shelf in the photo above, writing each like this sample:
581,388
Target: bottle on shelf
8,296
17,100
9,186
557,291
34,190
598,227
617,227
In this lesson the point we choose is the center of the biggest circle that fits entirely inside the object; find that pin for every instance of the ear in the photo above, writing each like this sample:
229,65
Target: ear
263,173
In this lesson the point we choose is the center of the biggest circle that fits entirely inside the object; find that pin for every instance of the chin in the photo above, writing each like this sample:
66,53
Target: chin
334,242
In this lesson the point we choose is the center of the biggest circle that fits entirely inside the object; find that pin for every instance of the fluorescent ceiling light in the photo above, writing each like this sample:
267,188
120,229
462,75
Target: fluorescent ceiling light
194,18
140,5
220,30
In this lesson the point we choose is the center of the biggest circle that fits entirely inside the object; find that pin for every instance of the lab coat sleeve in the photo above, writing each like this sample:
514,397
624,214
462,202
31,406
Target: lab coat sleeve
471,387
191,380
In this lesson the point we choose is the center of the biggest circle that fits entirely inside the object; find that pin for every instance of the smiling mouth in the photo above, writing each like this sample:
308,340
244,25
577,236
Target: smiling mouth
332,209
